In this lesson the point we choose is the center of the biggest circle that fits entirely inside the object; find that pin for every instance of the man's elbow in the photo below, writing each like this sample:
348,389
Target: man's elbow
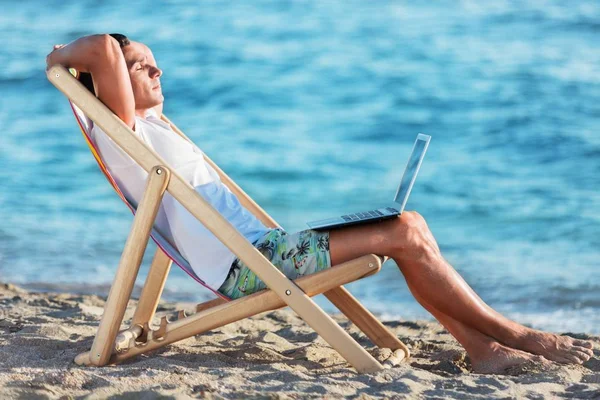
105,48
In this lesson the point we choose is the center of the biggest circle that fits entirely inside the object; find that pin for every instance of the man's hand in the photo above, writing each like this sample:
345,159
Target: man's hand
81,54
101,56
53,57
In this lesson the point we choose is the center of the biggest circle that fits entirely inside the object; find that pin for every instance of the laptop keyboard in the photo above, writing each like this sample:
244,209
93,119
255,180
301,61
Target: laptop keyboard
362,215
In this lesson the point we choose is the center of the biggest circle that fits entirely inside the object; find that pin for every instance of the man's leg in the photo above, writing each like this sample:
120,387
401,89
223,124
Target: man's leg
409,242
487,355
496,355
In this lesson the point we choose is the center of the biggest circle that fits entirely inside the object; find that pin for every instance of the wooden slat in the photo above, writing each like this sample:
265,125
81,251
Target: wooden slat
210,304
265,300
125,337
153,287
379,334
129,265
244,199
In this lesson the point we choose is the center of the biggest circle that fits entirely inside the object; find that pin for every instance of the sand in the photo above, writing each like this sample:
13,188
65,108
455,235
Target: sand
273,355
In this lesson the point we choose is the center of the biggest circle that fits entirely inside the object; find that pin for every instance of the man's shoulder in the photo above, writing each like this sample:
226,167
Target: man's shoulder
151,119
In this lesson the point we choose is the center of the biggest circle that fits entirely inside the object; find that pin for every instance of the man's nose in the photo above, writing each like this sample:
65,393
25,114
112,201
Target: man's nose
155,72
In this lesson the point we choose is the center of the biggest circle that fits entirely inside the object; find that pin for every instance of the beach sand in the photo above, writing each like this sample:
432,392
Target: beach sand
273,355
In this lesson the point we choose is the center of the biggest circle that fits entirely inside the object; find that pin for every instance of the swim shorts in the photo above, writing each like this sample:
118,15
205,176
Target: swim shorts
295,255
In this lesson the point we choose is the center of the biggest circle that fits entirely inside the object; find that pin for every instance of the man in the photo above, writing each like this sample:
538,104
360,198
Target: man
127,79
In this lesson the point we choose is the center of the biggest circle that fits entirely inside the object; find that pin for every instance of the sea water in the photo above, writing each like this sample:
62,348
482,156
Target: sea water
312,107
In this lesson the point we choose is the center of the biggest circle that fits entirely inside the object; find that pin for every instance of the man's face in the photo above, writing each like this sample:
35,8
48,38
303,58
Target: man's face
144,74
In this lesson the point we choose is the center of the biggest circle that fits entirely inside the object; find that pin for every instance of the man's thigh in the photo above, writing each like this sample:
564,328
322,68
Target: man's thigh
297,254
349,243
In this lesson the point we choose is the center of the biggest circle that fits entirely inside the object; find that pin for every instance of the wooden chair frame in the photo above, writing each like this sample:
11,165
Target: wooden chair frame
111,346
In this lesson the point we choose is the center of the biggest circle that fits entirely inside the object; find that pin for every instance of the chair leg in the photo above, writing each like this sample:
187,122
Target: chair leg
209,304
120,291
153,287
364,320
222,314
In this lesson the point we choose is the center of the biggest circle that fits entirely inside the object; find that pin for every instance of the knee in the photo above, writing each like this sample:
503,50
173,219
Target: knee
412,239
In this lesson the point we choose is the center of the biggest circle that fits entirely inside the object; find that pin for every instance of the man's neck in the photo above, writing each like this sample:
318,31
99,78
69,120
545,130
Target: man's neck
142,112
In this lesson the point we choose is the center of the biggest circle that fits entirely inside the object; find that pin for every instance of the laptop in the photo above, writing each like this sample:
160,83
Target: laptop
387,211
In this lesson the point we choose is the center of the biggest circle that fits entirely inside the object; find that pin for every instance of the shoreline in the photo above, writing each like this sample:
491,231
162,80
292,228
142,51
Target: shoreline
272,355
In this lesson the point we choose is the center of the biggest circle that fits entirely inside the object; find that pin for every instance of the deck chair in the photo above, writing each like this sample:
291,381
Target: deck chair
112,346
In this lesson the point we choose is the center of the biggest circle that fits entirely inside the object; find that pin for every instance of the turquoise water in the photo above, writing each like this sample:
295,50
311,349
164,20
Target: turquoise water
313,107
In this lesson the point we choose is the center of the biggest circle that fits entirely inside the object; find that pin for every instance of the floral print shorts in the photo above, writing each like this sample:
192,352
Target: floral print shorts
295,255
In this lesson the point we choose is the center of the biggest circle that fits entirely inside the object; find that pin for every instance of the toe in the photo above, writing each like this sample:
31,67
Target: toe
566,359
584,350
541,360
583,356
573,359
584,343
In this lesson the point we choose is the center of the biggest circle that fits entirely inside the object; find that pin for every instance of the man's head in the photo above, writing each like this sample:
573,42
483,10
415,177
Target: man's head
143,72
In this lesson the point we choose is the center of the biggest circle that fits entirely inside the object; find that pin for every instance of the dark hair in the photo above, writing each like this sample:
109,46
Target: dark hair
122,39
86,79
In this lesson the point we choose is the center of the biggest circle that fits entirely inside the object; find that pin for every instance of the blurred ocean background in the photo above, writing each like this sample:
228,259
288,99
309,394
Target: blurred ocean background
312,107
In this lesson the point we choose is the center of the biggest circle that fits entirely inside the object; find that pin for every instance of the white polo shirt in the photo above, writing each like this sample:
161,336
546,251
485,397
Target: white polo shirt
209,258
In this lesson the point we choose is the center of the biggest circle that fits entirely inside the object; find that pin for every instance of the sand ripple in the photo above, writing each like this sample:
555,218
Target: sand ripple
273,355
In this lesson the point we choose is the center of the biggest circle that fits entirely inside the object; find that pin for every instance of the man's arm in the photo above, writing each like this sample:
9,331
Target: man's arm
101,56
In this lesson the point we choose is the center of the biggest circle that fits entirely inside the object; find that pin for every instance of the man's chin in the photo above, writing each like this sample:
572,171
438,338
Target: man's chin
158,100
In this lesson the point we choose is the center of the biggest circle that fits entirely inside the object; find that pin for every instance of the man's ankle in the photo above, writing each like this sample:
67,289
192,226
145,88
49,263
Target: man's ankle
517,336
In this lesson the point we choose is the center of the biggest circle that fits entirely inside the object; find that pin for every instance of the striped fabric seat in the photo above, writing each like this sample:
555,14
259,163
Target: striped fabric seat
85,124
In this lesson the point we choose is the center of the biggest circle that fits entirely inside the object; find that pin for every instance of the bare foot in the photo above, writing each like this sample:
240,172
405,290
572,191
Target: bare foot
562,349
499,358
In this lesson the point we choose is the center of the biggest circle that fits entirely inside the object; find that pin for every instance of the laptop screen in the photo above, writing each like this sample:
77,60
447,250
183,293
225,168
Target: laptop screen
412,168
